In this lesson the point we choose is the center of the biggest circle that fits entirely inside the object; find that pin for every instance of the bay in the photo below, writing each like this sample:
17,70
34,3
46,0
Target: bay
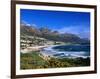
69,51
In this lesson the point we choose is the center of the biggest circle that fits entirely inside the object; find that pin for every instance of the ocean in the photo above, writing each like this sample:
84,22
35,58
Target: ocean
69,51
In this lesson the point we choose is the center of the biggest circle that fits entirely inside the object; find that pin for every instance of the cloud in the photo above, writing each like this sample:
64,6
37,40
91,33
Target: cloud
34,25
27,24
81,31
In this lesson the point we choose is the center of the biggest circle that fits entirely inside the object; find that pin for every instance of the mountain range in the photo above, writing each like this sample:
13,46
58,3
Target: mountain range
49,34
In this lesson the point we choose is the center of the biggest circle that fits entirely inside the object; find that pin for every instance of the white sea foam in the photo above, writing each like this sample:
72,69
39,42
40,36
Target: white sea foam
70,54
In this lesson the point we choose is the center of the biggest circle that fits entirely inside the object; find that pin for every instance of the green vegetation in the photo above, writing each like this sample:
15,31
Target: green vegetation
33,60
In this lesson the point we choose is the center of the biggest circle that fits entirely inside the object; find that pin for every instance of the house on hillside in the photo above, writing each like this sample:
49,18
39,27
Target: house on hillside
29,41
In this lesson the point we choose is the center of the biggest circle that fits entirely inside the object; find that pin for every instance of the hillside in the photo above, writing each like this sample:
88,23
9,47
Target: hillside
48,34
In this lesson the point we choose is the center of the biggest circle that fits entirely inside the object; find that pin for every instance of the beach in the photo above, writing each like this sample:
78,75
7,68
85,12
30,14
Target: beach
36,48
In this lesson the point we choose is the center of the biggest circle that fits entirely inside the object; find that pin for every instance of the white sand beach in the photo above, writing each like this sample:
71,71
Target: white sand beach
35,48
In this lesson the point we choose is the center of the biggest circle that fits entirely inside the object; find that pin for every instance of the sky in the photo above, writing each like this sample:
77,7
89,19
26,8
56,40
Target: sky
62,21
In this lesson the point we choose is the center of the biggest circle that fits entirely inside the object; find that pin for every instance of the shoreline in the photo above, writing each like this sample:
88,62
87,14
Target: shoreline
47,51
35,48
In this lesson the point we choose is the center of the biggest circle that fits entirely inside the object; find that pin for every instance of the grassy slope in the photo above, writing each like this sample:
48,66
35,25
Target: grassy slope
32,60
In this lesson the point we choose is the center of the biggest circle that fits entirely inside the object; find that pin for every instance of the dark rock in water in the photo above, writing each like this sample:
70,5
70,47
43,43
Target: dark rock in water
60,54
